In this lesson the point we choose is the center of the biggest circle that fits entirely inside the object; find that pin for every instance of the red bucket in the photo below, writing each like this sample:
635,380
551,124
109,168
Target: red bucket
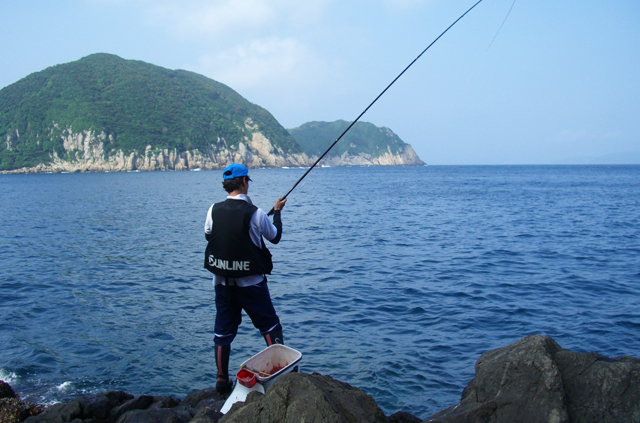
246,378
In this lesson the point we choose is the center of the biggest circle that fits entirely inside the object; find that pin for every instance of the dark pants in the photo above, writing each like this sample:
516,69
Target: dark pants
254,300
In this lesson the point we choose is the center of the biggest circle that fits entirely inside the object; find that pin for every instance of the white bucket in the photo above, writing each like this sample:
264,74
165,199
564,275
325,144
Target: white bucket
268,364
273,361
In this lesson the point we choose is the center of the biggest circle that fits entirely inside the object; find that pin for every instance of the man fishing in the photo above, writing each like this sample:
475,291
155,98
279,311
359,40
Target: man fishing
237,256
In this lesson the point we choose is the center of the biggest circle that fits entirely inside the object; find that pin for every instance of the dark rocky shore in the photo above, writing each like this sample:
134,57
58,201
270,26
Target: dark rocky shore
531,380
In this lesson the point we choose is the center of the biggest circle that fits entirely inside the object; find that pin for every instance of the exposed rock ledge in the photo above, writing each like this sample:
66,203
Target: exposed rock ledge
407,157
531,380
85,153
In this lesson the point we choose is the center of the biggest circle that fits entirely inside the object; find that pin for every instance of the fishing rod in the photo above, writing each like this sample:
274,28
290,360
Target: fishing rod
372,103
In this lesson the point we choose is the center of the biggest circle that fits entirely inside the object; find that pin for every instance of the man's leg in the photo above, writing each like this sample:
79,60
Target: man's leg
256,301
273,337
228,317
223,382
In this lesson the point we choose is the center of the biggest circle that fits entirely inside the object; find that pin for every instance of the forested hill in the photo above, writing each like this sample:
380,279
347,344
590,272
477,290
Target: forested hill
103,112
365,143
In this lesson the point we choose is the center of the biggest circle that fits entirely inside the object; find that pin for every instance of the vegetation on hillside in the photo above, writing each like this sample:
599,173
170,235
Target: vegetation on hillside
135,104
363,137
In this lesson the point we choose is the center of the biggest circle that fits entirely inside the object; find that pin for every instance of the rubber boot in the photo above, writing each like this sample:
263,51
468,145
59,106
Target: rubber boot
274,337
223,383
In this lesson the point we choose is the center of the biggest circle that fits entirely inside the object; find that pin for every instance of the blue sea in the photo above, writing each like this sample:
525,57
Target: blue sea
392,279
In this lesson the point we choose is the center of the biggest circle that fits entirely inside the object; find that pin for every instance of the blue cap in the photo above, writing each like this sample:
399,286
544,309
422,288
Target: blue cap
235,170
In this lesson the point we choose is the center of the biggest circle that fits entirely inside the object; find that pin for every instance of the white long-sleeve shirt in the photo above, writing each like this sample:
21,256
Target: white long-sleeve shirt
260,226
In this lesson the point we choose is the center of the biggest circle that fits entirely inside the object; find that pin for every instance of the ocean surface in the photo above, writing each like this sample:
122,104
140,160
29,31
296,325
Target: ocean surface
392,279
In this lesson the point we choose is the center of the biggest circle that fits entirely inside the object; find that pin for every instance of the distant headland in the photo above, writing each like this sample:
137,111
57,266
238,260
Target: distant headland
105,113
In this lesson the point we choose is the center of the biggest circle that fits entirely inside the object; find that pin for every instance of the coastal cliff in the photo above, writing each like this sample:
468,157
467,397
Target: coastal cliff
85,152
532,380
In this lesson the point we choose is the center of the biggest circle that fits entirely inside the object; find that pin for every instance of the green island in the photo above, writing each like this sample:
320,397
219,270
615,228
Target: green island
363,138
103,112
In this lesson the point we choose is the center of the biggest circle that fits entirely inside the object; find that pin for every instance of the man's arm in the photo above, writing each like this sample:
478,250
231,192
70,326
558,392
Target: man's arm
277,221
208,224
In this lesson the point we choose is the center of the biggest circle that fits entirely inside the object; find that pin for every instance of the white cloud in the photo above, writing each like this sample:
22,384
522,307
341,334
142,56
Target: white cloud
245,43
221,20
266,62
213,19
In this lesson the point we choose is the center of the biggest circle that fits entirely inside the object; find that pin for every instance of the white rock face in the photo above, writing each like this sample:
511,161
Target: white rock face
405,158
87,155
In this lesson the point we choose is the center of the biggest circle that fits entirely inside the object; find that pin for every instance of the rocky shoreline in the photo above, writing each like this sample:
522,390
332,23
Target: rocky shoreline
85,152
531,380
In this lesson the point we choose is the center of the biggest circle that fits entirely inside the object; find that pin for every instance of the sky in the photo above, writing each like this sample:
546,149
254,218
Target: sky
558,83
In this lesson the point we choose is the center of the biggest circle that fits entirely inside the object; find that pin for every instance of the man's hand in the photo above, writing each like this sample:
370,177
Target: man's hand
279,204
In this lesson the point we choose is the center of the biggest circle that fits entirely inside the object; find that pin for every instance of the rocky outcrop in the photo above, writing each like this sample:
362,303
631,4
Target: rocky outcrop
407,157
12,408
298,397
120,407
85,153
531,380
295,397
535,380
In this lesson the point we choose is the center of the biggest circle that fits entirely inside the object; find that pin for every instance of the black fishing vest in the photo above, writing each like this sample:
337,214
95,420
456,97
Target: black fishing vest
230,251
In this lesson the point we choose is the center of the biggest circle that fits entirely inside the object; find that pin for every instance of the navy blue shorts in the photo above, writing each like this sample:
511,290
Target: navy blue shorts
255,300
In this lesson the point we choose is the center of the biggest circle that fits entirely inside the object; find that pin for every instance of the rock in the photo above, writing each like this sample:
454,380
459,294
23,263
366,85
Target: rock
599,389
299,397
138,403
160,415
208,411
12,410
6,391
403,417
164,402
193,399
83,408
535,380
531,380
519,382
204,404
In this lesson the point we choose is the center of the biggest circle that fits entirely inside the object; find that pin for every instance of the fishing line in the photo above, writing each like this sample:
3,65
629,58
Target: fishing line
376,99
505,19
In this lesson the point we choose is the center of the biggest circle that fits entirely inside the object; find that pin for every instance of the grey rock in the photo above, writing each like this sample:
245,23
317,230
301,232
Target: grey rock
193,399
84,408
535,380
208,411
516,383
599,389
531,380
164,402
6,391
58,413
403,417
141,402
203,398
213,418
310,398
159,415
12,410
207,406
